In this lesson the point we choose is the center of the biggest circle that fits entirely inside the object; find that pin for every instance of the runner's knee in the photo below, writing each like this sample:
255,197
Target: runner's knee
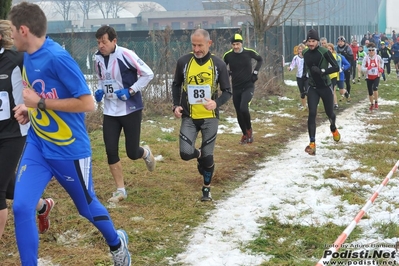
187,156
133,155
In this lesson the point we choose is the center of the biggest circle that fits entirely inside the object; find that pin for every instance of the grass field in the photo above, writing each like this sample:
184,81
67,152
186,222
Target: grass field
163,207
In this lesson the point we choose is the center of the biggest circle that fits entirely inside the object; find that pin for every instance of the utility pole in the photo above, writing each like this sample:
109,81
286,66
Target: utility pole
248,43
304,15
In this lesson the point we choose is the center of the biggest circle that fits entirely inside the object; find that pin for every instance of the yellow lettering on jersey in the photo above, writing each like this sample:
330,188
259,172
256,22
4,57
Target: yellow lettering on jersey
200,75
47,124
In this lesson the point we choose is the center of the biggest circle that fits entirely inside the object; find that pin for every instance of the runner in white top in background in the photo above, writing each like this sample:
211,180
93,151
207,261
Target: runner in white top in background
301,81
373,66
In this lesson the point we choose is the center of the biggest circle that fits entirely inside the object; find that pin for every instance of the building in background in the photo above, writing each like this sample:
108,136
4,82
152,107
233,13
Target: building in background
387,17
360,15
182,5
188,20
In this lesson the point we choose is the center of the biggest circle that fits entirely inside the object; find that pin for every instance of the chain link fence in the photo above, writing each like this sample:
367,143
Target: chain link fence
161,49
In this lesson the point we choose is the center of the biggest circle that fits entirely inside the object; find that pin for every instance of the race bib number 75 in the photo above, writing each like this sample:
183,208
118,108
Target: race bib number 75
109,87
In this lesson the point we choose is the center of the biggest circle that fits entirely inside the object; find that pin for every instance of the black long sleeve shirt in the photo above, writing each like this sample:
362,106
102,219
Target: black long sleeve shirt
323,59
240,65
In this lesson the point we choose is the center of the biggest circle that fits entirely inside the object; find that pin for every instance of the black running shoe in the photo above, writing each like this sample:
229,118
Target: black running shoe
206,194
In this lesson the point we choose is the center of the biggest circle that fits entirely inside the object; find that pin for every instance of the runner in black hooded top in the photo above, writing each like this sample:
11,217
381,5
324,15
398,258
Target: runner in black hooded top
318,63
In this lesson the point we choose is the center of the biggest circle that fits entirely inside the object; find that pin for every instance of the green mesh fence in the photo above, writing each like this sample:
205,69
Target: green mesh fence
161,49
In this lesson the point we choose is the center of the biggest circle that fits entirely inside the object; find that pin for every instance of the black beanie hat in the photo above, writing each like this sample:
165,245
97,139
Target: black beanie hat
313,34
236,38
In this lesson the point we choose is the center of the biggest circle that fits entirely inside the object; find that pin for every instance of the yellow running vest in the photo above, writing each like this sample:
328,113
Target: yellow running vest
200,83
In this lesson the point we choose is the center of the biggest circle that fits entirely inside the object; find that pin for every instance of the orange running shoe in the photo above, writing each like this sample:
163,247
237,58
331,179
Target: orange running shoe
311,148
336,135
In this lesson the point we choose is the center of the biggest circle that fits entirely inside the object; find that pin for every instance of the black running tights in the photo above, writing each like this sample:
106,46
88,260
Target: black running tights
241,100
327,96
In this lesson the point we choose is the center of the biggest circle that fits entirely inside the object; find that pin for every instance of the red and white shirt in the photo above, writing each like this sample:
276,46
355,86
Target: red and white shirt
372,66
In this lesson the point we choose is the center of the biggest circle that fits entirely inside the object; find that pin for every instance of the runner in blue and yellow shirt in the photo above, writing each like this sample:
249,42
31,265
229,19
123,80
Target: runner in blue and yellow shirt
56,98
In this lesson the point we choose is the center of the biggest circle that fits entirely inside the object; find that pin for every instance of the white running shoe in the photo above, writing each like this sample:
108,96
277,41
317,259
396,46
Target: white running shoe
149,160
117,196
121,256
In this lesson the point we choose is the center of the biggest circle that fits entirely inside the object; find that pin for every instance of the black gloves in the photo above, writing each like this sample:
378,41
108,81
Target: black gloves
254,77
315,70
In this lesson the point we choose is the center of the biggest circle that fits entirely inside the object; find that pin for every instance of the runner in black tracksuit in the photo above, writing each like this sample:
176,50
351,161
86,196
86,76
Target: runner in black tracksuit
344,49
385,54
316,64
239,59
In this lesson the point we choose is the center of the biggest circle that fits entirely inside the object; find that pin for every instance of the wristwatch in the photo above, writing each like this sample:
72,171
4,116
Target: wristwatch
131,92
41,104
255,72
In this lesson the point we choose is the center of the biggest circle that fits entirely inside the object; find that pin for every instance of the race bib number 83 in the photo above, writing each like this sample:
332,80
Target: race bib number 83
197,93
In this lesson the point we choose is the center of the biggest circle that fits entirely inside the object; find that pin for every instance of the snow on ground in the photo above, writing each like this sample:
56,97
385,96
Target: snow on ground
280,181
278,184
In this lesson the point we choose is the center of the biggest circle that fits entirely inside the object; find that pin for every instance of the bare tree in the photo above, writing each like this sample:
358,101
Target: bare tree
63,7
85,6
266,14
103,5
109,8
115,7
148,7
